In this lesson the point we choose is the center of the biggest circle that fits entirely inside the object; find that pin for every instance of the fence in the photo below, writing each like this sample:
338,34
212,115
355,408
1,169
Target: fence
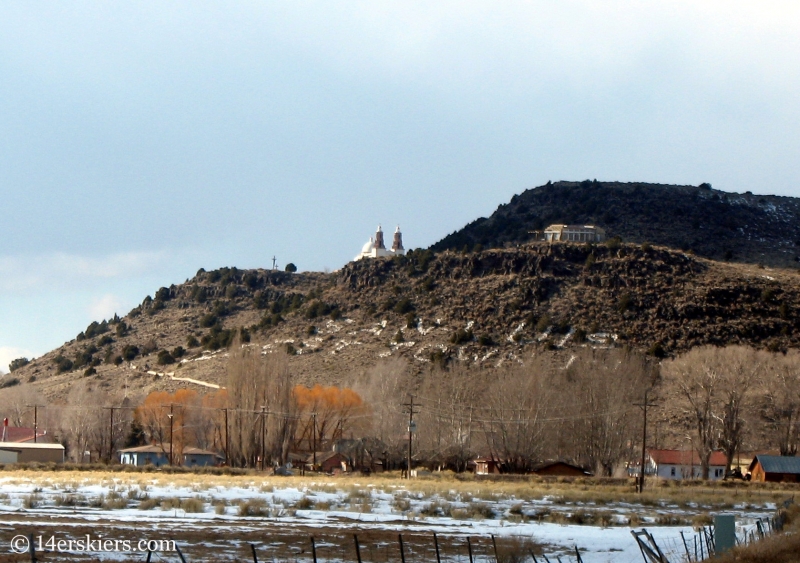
701,545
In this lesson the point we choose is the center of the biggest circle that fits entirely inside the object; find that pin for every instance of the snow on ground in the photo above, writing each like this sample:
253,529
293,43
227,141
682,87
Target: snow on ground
42,501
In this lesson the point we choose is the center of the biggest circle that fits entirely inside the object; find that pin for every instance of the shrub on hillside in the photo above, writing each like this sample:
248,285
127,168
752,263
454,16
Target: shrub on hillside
614,243
461,336
9,382
129,352
165,358
404,306
62,364
18,363
291,268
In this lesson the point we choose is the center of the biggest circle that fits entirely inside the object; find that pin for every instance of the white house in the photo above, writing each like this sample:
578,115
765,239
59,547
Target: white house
683,464
574,233
375,248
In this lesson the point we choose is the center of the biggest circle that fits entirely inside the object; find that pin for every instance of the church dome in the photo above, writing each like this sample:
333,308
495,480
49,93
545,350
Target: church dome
368,246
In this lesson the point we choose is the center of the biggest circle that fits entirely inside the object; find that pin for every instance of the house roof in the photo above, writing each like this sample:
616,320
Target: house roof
322,457
685,457
549,464
20,446
154,449
777,464
22,434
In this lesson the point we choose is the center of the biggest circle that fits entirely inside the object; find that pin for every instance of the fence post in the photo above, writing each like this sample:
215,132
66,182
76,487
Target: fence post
686,547
149,555
358,549
32,548
402,553
494,545
436,545
255,557
469,549
178,549
313,549
578,554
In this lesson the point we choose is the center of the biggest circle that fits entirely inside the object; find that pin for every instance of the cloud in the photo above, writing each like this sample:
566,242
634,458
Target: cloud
9,353
104,307
31,273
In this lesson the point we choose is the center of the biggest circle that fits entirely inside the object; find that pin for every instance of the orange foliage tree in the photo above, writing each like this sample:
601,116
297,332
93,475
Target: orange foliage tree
196,420
324,412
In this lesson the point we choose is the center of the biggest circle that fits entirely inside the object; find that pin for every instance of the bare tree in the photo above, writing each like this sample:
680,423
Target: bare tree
383,388
714,384
263,415
597,392
446,420
740,366
513,407
17,404
780,403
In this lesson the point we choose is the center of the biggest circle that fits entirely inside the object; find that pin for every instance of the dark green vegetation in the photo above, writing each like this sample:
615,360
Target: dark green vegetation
711,223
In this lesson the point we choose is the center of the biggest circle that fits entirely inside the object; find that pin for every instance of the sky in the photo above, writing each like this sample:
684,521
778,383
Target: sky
141,141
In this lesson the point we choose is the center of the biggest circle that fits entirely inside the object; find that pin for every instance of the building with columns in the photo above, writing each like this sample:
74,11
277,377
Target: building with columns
376,248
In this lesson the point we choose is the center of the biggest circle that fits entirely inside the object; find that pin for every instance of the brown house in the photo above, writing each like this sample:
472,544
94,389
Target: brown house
330,462
775,468
486,466
562,469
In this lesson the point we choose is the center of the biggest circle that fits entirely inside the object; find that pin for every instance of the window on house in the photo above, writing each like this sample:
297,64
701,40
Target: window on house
672,472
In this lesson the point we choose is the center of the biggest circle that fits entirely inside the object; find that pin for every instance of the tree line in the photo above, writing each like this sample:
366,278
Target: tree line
579,406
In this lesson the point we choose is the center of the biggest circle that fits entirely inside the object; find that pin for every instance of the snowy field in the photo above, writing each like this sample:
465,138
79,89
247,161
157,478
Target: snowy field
213,518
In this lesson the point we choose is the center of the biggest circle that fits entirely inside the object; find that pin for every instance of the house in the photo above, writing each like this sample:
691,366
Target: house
573,233
775,468
683,464
375,248
329,462
158,456
486,466
195,457
560,468
24,452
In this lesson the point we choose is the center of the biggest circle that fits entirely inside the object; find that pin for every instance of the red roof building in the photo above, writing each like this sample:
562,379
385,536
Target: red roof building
682,464
20,434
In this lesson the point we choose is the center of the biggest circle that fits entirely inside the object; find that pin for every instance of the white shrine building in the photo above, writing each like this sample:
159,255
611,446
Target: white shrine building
375,248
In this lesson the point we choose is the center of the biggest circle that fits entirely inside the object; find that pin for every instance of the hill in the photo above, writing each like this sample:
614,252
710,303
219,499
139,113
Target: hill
480,308
714,224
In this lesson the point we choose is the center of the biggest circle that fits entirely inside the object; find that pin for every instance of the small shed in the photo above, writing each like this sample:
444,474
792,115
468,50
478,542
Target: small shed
561,468
28,452
775,468
330,462
486,466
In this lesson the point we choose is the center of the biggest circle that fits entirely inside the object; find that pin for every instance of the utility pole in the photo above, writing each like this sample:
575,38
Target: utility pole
314,441
409,408
110,433
644,406
227,443
35,422
263,439
274,264
171,420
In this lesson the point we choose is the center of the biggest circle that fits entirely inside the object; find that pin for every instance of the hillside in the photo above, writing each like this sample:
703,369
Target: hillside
714,224
481,308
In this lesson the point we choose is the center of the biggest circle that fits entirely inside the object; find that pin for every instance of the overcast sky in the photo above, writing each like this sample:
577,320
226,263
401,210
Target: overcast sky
140,141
